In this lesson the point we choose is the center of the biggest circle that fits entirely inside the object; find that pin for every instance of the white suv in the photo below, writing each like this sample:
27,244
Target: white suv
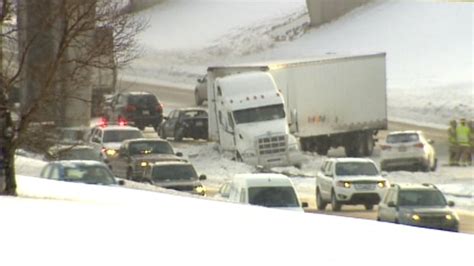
408,149
349,181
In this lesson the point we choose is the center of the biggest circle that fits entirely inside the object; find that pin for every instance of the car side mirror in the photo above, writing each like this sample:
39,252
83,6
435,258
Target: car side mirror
383,173
121,183
179,154
392,204
202,177
95,139
451,203
430,141
304,205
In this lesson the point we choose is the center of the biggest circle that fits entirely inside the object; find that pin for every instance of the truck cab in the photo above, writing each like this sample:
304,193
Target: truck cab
250,120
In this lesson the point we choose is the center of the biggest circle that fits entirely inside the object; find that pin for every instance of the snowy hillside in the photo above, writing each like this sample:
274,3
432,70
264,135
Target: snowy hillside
428,44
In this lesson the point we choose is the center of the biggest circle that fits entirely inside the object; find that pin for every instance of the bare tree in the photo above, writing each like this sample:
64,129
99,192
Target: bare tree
51,58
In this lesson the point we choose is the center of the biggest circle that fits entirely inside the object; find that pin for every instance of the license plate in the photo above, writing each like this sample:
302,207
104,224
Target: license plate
199,123
402,149
145,112
365,186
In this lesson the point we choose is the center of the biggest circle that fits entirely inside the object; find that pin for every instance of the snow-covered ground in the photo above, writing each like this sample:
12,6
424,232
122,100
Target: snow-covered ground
429,46
99,225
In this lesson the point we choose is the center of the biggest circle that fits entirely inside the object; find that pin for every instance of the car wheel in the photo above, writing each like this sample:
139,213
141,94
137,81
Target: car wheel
369,207
335,205
425,167
178,134
320,204
378,219
141,127
435,165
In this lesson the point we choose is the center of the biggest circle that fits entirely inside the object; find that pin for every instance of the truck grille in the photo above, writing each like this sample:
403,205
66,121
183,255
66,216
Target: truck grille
272,144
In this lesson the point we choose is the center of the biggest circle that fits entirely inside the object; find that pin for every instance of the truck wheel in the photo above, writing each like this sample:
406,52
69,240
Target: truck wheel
320,203
335,205
369,144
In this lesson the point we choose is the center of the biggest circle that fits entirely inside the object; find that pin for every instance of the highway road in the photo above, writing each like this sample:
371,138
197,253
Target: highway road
173,97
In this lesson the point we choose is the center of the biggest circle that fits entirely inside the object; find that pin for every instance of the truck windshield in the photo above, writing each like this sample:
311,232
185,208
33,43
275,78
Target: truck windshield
265,113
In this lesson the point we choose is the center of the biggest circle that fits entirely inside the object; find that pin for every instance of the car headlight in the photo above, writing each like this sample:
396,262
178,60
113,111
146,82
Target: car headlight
449,217
144,164
381,184
200,190
413,216
343,184
110,152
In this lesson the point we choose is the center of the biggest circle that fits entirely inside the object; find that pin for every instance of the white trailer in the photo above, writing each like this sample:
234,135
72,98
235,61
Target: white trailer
331,101
335,101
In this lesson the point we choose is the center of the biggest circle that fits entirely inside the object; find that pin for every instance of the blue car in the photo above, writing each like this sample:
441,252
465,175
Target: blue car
81,171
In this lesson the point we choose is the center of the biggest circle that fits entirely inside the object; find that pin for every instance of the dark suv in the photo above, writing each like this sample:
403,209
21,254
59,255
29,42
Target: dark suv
137,108
422,205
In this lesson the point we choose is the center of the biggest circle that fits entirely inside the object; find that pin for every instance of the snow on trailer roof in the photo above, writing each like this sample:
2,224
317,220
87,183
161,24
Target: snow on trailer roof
273,64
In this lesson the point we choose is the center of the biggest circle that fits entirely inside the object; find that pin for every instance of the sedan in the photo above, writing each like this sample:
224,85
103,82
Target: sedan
80,171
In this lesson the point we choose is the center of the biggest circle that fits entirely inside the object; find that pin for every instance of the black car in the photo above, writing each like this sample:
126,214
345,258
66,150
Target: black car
180,176
137,108
422,205
185,123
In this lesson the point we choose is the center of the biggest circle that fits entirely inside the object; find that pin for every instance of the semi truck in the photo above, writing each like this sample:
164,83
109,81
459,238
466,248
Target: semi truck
247,118
330,101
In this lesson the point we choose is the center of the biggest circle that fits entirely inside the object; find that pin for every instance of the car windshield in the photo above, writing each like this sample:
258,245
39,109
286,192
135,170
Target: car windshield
356,168
174,172
150,147
421,198
80,154
273,197
90,174
121,135
266,113
400,138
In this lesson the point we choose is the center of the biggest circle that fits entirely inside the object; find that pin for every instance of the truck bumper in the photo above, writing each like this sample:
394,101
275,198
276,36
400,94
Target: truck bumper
282,159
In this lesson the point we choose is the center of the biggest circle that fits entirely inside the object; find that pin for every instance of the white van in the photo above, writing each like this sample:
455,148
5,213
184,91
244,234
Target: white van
267,190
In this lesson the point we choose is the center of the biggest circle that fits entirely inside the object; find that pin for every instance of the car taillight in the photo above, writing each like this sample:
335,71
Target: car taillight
103,122
130,108
159,108
385,147
122,121
419,145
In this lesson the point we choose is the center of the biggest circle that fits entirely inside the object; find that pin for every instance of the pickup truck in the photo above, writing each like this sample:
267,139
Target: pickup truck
135,155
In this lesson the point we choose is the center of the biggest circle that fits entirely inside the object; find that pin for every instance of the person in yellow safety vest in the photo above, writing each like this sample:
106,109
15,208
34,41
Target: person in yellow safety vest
462,136
453,144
